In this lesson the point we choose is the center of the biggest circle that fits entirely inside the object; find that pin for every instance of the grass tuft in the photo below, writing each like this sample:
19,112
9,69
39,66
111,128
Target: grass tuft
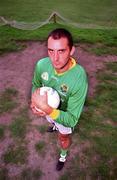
15,155
37,173
104,50
42,129
2,131
7,100
30,174
3,174
40,146
19,126
112,66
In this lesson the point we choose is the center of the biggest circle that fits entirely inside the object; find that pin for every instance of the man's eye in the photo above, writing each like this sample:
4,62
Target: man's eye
61,51
50,51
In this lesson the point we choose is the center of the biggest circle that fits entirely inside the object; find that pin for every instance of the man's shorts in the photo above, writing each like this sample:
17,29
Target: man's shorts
62,129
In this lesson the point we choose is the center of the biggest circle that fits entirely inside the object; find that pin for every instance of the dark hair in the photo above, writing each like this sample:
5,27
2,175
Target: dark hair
59,33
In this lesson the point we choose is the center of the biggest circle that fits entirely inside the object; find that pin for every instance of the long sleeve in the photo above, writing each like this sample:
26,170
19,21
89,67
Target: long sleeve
36,82
75,103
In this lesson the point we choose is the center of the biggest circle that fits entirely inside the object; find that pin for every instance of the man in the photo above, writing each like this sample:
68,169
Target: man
60,72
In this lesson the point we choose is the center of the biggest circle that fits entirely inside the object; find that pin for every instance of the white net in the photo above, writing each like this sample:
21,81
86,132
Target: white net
22,25
55,17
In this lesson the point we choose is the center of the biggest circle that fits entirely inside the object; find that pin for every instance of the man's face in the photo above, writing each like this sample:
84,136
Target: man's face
59,53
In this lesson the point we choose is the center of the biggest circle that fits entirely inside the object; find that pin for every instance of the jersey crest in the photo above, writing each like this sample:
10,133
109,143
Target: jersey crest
45,76
64,88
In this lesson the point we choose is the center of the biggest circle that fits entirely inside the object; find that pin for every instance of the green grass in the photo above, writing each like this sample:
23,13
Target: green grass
112,66
96,12
40,146
20,124
15,155
10,38
37,173
7,100
42,129
2,131
80,11
103,50
29,174
106,36
9,45
3,174
97,126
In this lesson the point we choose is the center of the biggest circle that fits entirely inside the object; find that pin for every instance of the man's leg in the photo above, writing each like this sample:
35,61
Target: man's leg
65,142
64,138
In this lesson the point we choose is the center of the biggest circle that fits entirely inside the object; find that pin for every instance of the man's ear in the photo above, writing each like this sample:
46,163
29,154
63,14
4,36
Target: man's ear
72,50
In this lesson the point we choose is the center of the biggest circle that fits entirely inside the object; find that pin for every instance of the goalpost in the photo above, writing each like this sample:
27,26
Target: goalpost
55,17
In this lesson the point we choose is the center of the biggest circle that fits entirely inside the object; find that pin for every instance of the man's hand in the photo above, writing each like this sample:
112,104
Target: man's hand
35,111
41,102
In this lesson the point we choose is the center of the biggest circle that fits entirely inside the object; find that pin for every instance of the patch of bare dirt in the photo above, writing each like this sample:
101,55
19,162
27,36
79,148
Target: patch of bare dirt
16,70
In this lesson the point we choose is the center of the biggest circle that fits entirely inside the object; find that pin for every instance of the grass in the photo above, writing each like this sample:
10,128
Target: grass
87,13
7,100
103,50
105,40
40,146
112,66
3,174
91,12
42,129
9,45
97,125
17,152
20,124
2,131
29,174
15,155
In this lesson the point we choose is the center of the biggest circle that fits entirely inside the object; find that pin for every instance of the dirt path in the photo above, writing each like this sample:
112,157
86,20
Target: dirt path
16,70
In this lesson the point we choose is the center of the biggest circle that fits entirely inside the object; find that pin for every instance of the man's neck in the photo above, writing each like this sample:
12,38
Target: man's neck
66,67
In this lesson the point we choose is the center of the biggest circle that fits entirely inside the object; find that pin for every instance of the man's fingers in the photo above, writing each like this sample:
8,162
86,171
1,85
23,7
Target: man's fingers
35,111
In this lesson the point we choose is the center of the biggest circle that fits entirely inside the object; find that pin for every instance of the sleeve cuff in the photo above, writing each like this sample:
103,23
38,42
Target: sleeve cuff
54,114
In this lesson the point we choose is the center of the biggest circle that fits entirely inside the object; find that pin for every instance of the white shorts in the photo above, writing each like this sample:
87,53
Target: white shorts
62,129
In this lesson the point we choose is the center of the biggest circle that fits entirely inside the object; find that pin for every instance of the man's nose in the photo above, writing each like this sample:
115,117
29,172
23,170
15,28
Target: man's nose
56,56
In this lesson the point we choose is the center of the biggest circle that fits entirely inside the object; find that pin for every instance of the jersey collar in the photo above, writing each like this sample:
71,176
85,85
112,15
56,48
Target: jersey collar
72,65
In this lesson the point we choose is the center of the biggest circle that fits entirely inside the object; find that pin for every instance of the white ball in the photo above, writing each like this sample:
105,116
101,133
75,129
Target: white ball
53,97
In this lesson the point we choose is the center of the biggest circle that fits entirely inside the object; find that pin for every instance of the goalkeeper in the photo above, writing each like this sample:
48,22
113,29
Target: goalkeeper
61,72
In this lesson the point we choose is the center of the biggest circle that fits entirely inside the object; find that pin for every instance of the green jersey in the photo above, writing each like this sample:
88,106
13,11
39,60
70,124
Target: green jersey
70,85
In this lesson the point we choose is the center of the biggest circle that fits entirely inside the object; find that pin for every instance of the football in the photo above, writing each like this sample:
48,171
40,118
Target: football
53,97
